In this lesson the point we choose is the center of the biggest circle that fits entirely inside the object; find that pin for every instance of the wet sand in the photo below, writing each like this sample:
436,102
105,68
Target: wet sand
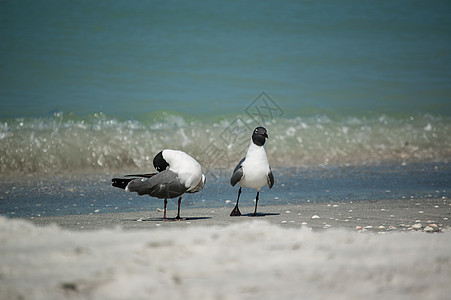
378,216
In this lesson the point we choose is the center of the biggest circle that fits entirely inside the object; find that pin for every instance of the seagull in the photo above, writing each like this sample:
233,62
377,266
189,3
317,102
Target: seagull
253,171
178,173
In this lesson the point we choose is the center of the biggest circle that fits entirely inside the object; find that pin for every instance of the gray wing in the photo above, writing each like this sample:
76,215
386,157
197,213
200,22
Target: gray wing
270,179
237,173
161,185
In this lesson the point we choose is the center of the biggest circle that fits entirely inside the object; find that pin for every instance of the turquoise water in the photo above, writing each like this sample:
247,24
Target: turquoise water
104,85
130,58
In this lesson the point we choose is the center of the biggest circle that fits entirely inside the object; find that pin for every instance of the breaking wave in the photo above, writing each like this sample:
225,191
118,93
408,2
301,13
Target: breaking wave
99,143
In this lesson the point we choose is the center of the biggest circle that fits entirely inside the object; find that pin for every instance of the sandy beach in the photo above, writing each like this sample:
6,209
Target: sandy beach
375,216
339,250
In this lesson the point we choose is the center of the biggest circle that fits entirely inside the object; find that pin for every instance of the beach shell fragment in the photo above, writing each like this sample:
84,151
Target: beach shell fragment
417,226
432,228
428,229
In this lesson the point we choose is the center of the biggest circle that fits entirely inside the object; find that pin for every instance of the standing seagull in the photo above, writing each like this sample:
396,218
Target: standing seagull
253,171
178,173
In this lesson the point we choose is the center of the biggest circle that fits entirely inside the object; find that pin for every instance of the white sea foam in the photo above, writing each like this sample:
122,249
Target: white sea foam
101,143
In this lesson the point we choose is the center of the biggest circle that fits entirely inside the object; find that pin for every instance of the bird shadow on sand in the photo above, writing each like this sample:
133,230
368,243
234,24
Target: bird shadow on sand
168,219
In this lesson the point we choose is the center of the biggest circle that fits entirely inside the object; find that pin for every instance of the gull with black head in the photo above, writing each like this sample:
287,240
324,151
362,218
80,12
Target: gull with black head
253,171
178,173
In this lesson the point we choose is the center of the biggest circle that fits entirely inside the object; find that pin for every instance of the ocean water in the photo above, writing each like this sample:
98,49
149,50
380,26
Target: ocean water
104,85
100,87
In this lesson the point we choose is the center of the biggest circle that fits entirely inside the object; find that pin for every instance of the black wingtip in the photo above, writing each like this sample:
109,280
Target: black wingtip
121,182
141,175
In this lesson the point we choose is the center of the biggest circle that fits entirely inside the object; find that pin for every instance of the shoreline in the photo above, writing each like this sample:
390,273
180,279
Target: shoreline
434,214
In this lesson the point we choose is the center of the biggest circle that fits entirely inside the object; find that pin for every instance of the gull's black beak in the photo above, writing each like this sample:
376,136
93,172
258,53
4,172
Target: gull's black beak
265,135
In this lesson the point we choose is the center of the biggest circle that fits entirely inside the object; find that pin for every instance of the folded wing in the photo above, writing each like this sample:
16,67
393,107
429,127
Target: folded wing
270,179
161,185
237,173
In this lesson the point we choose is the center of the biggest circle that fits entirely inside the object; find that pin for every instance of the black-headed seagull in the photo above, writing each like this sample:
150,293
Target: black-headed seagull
253,171
178,173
